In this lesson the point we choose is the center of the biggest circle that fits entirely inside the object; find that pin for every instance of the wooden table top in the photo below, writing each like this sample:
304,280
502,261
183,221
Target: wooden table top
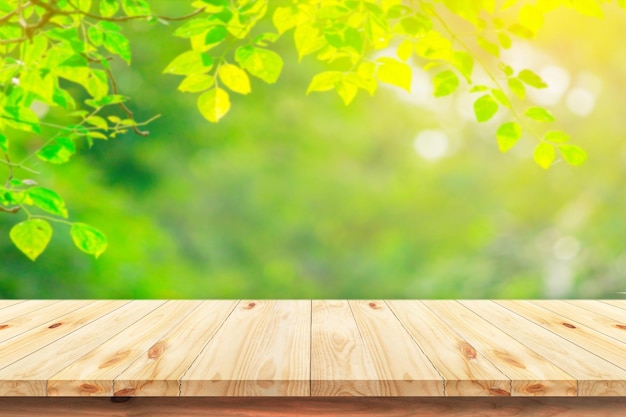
312,348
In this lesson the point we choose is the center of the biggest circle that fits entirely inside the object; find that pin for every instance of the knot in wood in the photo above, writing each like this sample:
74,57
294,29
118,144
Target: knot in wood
124,392
621,326
156,350
535,388
3,326
568,325
375,306
249,306
54,326
467,350
499,392
90,388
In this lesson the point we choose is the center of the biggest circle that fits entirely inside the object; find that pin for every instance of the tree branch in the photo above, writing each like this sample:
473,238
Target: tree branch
128,112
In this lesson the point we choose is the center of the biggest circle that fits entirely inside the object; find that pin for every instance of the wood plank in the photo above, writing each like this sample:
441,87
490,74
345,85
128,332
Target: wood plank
340,363
617,303
584,336
401,366
315,406
9,303
157,371
80,313
94,372
466,370
590,316
595,376
29,376
599,307
37,318
262,349
531,373
18,310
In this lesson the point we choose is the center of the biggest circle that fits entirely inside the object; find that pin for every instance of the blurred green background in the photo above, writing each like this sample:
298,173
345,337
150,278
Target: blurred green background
396,196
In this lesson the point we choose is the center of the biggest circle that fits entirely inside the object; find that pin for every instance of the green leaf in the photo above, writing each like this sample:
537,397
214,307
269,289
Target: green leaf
485,107
539,114
445,83
22,118
544,155
109,7
405,49
307,40
507,135
464,63
262,63
4,143
136,7
48,200
324,81
234,78
284,18
215,35
395,73
488,46
504,40
118,44
214,104
190,62
346,90
88,239
58,152
573,155
517,88
556,136
501,97
196,82
31,237
532,79
193,27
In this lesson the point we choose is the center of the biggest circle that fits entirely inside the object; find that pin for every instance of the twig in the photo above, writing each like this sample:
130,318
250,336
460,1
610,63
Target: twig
128,112
127,18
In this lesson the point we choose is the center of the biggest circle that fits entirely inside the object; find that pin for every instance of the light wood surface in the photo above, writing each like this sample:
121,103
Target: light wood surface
312,348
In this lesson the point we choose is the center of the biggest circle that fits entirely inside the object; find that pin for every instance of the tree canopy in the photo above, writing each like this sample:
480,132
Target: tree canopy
60,61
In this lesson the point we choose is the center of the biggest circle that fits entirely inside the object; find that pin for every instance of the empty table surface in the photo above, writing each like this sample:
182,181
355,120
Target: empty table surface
319,348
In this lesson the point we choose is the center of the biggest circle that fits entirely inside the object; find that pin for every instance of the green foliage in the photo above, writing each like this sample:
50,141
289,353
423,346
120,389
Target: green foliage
63,55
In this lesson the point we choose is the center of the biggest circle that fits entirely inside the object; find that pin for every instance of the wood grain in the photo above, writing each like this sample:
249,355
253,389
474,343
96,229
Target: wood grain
584,336
465,369
401,366
29,375
93,373
340,362
158,370
320,348
603,318
315,406
531,374
595,376
262,349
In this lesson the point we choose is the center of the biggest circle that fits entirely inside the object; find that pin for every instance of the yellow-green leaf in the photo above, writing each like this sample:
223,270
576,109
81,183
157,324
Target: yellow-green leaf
324,81
235,78
196,82
214,104
539,114
445,83
507,135
544,155
517,88
395,73
31,237
485,107
532,79
47,200
261,63
573,155
190,62
88,239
